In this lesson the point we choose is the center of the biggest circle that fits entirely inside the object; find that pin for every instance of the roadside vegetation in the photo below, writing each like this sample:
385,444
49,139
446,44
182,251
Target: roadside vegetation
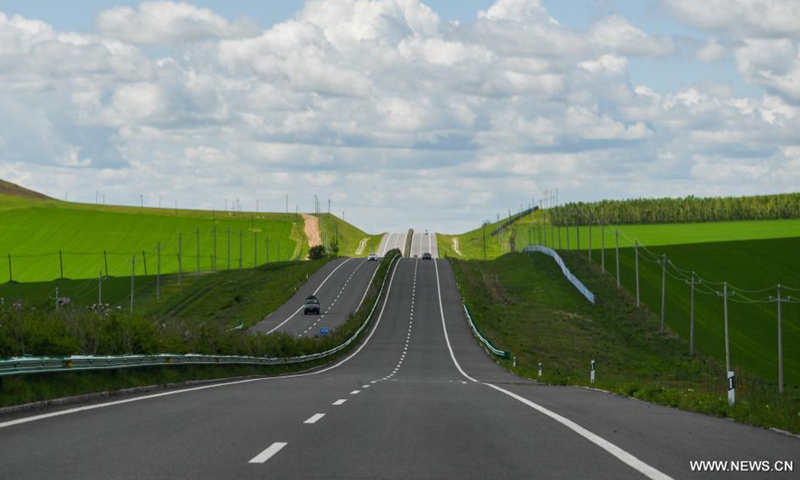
186,320
524,305
680,210
346,237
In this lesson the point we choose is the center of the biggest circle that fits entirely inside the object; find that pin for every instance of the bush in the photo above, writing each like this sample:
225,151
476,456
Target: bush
317,252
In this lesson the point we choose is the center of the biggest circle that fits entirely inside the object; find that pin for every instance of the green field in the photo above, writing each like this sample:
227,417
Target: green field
349,237
47,239
525,305
752,256
753,269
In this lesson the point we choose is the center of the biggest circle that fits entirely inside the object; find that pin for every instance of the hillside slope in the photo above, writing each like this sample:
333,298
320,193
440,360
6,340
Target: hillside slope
44,239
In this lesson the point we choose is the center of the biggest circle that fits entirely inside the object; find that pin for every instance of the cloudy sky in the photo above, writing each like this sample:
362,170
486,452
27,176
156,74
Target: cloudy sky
404,113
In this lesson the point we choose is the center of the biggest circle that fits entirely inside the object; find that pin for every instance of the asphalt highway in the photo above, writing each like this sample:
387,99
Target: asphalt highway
391,241
424,242
419,399
340,286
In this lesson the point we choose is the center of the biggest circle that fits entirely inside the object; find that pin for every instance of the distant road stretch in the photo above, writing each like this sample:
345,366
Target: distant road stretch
421,242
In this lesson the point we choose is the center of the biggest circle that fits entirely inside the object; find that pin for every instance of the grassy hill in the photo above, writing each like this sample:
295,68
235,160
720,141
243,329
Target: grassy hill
44,239
348,236
523,303
752,256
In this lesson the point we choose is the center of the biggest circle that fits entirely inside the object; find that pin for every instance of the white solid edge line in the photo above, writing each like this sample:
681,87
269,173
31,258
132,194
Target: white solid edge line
620,454
204,387
315,292
314,418
268,453
367,289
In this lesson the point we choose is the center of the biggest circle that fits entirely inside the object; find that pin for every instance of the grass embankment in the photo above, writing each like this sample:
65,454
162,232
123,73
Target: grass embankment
717,253
186,321
35,236
475,243
349,236
535,229
523,303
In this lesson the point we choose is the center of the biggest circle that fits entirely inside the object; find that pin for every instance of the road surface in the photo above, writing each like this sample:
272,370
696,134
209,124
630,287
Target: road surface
418,400
340,286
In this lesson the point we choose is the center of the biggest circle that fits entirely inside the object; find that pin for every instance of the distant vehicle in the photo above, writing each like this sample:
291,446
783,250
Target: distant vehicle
311,305
372,257
426,256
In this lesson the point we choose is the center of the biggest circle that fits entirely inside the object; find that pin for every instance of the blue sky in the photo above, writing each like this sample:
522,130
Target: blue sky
405,113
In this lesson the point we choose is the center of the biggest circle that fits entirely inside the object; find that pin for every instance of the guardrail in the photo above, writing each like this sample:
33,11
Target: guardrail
25,365
485,341
572,278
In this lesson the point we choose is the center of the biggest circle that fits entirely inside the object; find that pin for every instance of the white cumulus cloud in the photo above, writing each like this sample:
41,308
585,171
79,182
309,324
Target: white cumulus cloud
167,22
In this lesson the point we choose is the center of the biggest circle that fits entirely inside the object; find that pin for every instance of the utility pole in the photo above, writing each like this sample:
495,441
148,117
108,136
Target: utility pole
780,339
215,247
590,238
484,241
603,246
692,283
663,290
559,235
725,296
100,287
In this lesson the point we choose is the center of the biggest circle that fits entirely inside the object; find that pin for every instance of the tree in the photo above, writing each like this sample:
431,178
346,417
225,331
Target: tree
316,252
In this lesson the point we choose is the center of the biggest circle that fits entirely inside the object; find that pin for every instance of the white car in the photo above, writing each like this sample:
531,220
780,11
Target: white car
372,257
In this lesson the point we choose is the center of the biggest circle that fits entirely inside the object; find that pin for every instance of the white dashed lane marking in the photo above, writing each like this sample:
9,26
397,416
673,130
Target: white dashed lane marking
352,274
268,453
410,326
314,418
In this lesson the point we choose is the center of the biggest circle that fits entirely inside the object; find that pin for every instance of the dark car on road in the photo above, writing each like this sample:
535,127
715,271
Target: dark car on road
311,305
426,256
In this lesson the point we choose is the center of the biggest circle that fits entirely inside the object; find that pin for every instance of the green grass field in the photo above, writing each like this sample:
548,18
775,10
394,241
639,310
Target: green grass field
753,268
523,303
349,236
33,237
45,239
535,228
753,256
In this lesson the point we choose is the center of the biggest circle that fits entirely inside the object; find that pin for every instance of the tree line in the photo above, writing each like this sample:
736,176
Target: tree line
680,210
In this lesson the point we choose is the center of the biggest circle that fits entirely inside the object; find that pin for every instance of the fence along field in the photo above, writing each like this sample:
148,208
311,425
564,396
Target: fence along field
48,242
752,268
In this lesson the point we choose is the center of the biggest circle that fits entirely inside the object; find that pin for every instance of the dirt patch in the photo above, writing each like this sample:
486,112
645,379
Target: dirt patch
312,230
14,190
495,287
